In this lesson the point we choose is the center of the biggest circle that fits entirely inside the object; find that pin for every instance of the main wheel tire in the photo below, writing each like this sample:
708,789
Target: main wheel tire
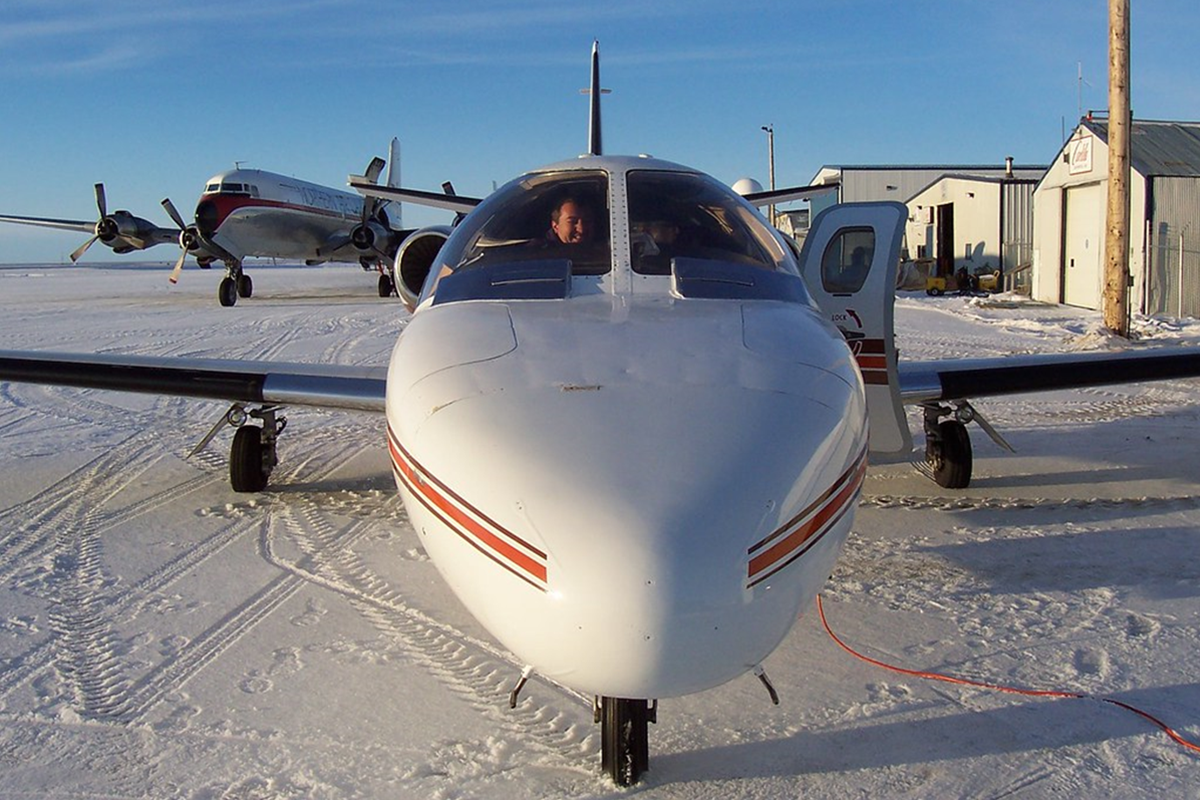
227,292
246,473
949,455
386,287
624,739
245,286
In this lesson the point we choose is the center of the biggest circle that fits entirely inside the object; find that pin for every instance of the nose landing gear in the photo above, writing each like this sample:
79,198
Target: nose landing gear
624,737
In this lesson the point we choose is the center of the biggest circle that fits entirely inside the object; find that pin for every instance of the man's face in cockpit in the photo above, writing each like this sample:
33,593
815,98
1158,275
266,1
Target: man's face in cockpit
573,223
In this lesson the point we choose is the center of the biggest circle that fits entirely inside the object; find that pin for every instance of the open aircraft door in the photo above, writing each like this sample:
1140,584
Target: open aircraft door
849,263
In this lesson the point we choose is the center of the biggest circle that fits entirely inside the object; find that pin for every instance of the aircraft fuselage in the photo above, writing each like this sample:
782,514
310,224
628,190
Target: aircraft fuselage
634,472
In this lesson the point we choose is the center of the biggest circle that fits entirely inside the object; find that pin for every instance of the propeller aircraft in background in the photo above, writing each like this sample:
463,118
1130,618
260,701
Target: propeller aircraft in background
244,213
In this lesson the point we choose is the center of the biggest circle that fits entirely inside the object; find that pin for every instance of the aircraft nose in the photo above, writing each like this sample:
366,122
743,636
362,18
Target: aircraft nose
654,581
207,217
639,510
622,501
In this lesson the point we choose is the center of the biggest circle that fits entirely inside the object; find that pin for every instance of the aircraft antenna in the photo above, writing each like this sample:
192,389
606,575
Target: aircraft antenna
595,148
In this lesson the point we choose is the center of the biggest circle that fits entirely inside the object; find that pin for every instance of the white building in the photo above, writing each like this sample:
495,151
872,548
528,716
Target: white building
856,183
982,224
1070,206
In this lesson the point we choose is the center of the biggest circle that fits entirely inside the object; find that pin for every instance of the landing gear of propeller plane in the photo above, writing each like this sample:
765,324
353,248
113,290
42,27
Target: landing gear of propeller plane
227,292
624,737
235,284
387,287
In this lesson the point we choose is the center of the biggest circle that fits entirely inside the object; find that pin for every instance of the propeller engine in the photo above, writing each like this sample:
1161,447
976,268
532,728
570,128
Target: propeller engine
120,230
193,240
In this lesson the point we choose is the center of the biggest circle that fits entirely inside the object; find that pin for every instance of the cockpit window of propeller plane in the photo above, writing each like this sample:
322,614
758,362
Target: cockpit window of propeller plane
544,217
674,214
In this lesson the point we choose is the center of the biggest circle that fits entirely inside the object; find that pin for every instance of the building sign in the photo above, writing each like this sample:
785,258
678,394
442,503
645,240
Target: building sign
1079,155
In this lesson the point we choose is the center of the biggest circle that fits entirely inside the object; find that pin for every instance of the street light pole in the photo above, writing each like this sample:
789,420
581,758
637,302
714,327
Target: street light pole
770,129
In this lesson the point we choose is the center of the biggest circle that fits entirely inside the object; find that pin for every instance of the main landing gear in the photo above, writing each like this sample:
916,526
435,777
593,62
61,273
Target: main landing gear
235,284
948,445
253,456
387,286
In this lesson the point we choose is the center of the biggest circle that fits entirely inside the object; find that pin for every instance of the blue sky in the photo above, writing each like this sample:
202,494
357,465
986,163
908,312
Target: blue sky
153,97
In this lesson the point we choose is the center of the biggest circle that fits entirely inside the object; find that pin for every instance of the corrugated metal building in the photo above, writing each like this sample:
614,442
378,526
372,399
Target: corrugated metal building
1070,205
855,183
978,223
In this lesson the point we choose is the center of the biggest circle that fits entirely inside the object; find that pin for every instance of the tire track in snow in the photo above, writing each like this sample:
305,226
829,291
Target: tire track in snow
554,720
148,691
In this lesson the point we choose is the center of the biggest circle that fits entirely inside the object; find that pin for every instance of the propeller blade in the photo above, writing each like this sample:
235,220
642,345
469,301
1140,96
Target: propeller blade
173,213
101,202
78,254
174,277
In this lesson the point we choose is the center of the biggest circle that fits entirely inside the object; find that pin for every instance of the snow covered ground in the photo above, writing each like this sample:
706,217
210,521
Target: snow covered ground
161,636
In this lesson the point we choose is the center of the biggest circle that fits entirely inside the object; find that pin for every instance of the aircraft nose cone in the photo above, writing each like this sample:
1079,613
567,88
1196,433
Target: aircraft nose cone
206,217
653,581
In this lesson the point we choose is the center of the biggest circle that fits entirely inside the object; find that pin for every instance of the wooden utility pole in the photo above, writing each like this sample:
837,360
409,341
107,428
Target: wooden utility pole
1116,242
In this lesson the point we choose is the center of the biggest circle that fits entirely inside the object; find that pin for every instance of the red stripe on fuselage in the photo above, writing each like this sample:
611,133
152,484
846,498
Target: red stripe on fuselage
829,508
226,204
465,519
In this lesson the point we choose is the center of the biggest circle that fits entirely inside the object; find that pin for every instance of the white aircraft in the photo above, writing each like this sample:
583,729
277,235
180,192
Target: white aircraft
634,457
253,213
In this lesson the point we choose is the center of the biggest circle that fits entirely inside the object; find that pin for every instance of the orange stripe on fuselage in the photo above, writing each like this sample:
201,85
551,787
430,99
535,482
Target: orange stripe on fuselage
463,520
806,531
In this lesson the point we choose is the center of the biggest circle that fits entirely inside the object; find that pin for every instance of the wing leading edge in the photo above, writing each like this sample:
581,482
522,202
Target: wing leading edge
933,381
317,385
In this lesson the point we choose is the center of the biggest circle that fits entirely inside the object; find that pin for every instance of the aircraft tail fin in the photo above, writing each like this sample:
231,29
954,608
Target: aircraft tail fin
393,178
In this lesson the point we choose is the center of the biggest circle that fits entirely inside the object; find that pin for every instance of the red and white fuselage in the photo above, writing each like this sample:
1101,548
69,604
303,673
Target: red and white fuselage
251,212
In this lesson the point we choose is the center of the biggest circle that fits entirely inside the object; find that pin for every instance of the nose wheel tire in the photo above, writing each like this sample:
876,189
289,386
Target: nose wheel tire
625,740
245,286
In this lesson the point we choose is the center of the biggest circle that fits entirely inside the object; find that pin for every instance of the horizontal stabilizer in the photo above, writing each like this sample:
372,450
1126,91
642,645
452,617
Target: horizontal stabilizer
456,203
767,198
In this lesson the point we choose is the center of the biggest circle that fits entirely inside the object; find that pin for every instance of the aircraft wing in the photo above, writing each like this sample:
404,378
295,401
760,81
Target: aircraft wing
82,226
276,383
450,202
932,381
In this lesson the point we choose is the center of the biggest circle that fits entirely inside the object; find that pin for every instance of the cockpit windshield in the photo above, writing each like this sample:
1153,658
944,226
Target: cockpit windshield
685,215
542,217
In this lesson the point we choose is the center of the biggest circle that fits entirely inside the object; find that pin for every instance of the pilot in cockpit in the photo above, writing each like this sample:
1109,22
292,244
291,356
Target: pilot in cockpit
572,222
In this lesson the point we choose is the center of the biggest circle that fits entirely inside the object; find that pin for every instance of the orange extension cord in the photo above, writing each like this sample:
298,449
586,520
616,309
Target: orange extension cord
1009,689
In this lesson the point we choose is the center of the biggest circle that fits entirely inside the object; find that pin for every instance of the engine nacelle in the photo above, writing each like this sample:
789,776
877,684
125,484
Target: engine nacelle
414,260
